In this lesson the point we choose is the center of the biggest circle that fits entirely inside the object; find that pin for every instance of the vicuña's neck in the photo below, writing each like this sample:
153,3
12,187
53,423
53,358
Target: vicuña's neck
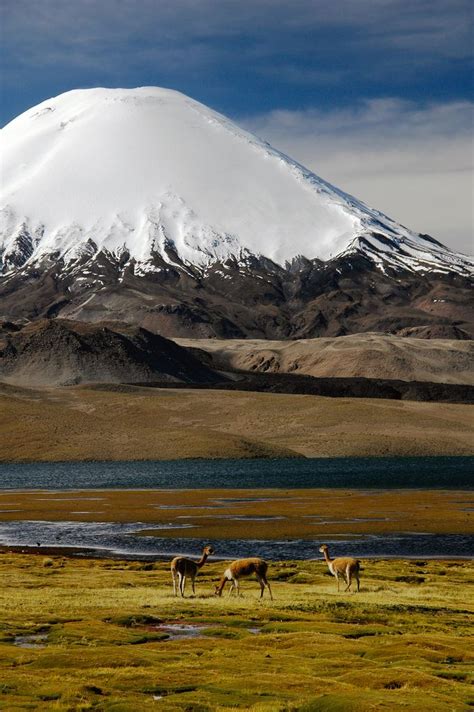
221,585
202,560
326,556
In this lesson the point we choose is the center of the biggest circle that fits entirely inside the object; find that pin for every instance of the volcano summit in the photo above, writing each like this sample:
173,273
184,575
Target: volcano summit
144,205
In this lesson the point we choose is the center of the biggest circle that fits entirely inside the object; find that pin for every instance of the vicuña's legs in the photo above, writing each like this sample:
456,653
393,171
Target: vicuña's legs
269,589
234,586
173,576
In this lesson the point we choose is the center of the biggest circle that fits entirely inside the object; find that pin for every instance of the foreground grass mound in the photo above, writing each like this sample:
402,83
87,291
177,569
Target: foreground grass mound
108,635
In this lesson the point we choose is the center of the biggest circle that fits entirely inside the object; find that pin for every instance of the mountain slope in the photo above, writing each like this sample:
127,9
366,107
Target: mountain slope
58,352
356,356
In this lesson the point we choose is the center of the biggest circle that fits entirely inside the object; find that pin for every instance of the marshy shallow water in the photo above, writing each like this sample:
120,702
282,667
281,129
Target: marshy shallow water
278,509
119,539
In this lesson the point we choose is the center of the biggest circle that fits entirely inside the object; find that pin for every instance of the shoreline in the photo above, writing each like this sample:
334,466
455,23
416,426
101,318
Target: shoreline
272,513
105,555
277,525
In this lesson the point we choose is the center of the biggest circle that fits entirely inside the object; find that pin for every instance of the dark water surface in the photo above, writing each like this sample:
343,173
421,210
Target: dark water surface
345,472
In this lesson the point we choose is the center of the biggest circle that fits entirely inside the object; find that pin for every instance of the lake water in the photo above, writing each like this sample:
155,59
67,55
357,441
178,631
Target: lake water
343,472
107,538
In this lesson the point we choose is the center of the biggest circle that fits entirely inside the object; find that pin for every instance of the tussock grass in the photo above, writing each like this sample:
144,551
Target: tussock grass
395,645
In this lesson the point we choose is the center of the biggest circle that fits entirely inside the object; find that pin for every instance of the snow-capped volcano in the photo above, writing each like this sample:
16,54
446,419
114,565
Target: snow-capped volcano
144,206
149,171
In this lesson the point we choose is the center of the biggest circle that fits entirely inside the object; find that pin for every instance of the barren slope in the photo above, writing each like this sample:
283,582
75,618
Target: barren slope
133,423
55,352
359,355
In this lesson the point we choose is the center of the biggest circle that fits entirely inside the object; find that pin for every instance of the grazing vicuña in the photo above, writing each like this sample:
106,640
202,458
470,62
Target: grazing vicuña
242,568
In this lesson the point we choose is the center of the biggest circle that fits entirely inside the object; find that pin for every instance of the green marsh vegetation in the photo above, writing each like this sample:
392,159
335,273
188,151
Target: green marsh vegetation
214,514
109,635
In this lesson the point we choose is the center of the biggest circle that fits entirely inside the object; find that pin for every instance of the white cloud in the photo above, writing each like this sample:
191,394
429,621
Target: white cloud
412,162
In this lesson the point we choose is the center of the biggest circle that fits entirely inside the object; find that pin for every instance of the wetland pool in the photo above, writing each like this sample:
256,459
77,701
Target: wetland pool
107,539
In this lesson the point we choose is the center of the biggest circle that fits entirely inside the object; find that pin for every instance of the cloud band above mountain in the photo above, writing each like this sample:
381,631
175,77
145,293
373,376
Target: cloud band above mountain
413,161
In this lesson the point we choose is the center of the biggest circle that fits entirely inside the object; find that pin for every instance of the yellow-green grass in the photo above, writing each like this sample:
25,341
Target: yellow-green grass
404,642
133,423
214,514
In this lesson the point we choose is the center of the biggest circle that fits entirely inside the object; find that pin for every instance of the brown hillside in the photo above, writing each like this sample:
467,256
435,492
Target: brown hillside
358,356
134,423
59,352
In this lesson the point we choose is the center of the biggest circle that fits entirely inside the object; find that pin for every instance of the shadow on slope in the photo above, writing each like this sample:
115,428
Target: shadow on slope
53,352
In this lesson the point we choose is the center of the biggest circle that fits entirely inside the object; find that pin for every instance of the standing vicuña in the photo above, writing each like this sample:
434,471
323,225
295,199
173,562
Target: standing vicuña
181,567
343,566
241,568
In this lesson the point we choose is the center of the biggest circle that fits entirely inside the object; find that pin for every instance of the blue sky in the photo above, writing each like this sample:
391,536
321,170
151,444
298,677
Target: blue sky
374,95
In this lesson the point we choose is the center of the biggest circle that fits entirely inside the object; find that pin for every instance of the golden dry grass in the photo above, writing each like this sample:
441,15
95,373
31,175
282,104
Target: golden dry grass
129,423
394,646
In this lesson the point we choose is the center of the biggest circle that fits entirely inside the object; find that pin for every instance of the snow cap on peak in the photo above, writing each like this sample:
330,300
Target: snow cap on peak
149,167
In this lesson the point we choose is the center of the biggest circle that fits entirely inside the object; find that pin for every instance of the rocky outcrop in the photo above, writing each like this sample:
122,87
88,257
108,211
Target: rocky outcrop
58,352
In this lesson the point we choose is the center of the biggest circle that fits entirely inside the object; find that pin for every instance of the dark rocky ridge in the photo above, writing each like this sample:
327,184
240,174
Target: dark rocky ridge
338,387
252,298
58,352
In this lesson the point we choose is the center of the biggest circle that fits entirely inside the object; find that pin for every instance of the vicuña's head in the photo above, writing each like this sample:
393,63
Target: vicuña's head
323,548
208,550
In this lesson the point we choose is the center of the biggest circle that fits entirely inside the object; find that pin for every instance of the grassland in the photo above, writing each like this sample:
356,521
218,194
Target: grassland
404,642
130,423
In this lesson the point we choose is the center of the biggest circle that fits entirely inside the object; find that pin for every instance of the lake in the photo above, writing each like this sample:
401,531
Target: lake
342,472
